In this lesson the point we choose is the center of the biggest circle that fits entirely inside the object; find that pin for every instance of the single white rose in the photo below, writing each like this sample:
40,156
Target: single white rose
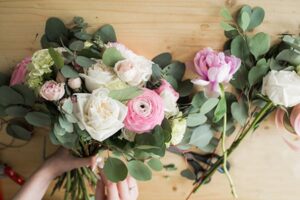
52,91
74,83
97,76
282,87
100,115
178,129
134,70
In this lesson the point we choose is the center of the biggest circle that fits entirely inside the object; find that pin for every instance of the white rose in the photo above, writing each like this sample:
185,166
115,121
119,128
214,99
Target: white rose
170,103
98,76
282,87
74,83
100,115
178,130
134,70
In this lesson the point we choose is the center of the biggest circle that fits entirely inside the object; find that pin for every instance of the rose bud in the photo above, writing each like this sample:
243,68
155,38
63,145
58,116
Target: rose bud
74,83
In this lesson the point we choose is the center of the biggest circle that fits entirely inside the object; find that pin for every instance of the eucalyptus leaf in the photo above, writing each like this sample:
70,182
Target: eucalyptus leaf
170,79
257,73
196,119
175,69
201,136
57,58
84,61
289,56
18,131
55,29
163,59
27,93
16,111
38,119
111,56
226,26
220,110
209,105
185,88
239,47
256,18
125,94
106,33
139,170
188,174
76,45
65,124
68,72
83,36
67,106
238,80
68,140
115,170
239,111
198,99
259,44
225,13
155,164
9,96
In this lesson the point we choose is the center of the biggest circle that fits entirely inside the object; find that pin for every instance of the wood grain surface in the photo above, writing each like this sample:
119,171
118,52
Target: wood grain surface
263,168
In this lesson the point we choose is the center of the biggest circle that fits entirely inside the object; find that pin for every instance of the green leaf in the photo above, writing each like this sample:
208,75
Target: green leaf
290,56
111,56
226,26
198,100
27,93
16,111
256,18
155,164
9,96
4,79
55,29
84,61
188,174
125,94
65,124
107,33
58,130
83,36
68,140
68,106
294,42
68,72
201,136
212,145
53,138
239,112
245,21
76,45
238,80
257,73
196,119
175,69
209,105
57,58
18,131
185,88
38,119
139,170
220,110
225,14
2,111
115,170
239,48
156,73
170,167
259,44
172,81
163,59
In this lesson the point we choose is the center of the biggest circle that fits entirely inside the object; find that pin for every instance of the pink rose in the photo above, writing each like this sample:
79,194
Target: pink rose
19,73
169,96
214,68
144,112
295,119
52,91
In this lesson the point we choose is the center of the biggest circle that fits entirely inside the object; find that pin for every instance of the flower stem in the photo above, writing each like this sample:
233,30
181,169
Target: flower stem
233,146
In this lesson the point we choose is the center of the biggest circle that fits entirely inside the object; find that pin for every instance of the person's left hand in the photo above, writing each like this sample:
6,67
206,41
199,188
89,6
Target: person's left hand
62,161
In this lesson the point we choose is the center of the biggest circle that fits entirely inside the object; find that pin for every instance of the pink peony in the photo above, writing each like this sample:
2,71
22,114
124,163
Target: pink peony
52,91
214,68
144,112
19,73
295,119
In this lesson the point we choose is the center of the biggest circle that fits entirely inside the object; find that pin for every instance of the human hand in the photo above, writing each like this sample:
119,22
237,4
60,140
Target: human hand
124,190
62,161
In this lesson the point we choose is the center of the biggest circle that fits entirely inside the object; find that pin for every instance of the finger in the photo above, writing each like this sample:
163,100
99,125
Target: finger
100,191
83,162
133,187
123,189
112,191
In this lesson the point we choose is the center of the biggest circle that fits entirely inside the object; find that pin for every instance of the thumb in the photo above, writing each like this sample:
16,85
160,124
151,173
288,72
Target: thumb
84,162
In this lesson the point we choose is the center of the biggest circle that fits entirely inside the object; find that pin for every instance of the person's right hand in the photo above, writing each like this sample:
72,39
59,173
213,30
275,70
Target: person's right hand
124,190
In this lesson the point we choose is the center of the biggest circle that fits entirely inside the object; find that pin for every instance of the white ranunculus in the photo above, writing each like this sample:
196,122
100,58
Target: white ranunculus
100,115
170,103
134,70
178,130
100,76
282,87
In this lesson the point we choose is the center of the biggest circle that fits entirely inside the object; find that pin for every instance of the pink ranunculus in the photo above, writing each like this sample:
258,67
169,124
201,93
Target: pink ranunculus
295,119
52,91
214,68
19,73
144,112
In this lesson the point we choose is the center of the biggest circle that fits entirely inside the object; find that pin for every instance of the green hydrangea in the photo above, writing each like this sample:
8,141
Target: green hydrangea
34,82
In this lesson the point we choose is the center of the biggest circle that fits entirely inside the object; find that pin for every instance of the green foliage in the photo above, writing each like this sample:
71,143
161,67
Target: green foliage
115,169
106,33
55,29
185,88
226,26
11,96
208,105
155,164
111,56
4,79
239,111
257,72
259,44
76,45
84,61
196,119
125,94
201,136
39,119
239,47
220,110
176,69
18,130
68,72
290,56
163,59
57,58
139,170
188,174
16,111
27,93
245,21
225,13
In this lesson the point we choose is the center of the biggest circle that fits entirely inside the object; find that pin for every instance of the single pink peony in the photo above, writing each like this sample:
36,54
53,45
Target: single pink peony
214,68
19,74
52,91
295,119
144,112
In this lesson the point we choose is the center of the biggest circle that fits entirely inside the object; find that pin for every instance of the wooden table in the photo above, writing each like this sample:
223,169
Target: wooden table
263,168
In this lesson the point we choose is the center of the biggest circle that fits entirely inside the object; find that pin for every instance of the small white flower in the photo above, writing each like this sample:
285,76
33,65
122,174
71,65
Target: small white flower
178,129
100,115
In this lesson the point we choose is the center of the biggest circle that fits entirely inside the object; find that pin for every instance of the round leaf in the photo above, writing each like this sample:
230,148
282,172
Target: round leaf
155,164
163,59
16,111
245,21
259,44
111,56
239,47
256,18
139,170
115,170
27,93
38,119
195,119
68,72
107,33
55,29
201,136
17,131
9,96
209,105
185,88
84,61
76,45
175,69
239,112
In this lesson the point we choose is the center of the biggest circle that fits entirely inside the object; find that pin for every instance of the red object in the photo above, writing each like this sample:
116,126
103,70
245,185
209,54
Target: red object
8,171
